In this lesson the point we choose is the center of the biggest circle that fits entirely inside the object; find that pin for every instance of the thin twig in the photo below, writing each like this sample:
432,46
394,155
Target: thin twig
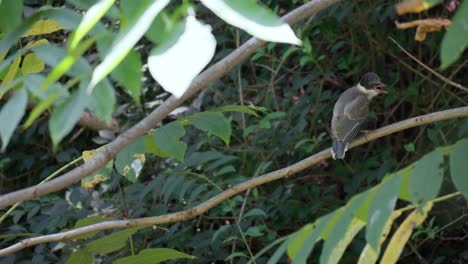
454,84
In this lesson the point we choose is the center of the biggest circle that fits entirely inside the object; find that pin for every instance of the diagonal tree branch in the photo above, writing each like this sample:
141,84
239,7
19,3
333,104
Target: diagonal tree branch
254,182
215,72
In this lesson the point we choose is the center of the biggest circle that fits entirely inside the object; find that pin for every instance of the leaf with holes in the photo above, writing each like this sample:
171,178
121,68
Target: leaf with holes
129,162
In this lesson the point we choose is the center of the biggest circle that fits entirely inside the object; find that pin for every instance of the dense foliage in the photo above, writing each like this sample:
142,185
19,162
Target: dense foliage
270,111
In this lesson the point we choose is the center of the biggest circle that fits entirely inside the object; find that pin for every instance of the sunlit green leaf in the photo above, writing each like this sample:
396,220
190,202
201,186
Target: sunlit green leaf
381,208
90,18
86,4
32,64
254,18
80,257
90,221
127,38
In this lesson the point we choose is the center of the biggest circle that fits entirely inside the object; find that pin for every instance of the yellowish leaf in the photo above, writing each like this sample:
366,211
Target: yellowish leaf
414,6
88,154
41,27
93,180
2,55
403,233
32,64
353,229
369,255
425,26
11,73
33,44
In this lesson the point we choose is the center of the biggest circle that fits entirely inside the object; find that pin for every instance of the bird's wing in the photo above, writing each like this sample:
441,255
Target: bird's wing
345,128
348,124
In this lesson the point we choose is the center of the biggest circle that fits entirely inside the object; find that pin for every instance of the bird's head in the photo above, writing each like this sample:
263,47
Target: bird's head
371,82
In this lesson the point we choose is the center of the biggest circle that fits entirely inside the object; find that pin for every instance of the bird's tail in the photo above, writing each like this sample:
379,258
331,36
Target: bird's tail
339,149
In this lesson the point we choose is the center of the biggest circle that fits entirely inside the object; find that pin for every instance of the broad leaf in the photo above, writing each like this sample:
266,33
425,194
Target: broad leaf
369,255
453,42
128,73
381,208
343,232
165,141
32,64
403,233
12,71
127,38
90,221
11,115
103,100
80,257
86,4
459,166
11,13
110,243
425,182
90,18
41,27
66,115
180,58
154,255
254,18
213,123
129,162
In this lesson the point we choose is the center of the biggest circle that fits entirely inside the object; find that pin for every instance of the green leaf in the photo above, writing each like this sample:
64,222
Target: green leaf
454,43
165,141
363,212
183,55
459,166
11,13
66,115
279,252
86,4
90,221
254,18
90,18
102,100
154,255
129,162
161,28
127,38
425,182
381,208
110,243
302,245
128,72
64,16
251,110
343,232
80,257
32,64
213,123
53,55
404,189
101,175
11,115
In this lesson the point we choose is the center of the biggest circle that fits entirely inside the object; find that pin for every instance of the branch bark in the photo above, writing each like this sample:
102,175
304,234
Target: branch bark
254,182
214,72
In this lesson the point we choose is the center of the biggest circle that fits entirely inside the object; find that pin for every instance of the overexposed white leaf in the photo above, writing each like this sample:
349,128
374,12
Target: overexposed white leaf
177,61
254,18
125,40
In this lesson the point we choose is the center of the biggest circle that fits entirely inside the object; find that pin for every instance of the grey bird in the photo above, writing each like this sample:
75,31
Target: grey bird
351,111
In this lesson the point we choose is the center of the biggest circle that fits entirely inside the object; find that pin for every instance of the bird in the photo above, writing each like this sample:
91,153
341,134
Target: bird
351,111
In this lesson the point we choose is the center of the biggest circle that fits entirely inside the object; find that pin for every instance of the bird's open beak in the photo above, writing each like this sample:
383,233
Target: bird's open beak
380,88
